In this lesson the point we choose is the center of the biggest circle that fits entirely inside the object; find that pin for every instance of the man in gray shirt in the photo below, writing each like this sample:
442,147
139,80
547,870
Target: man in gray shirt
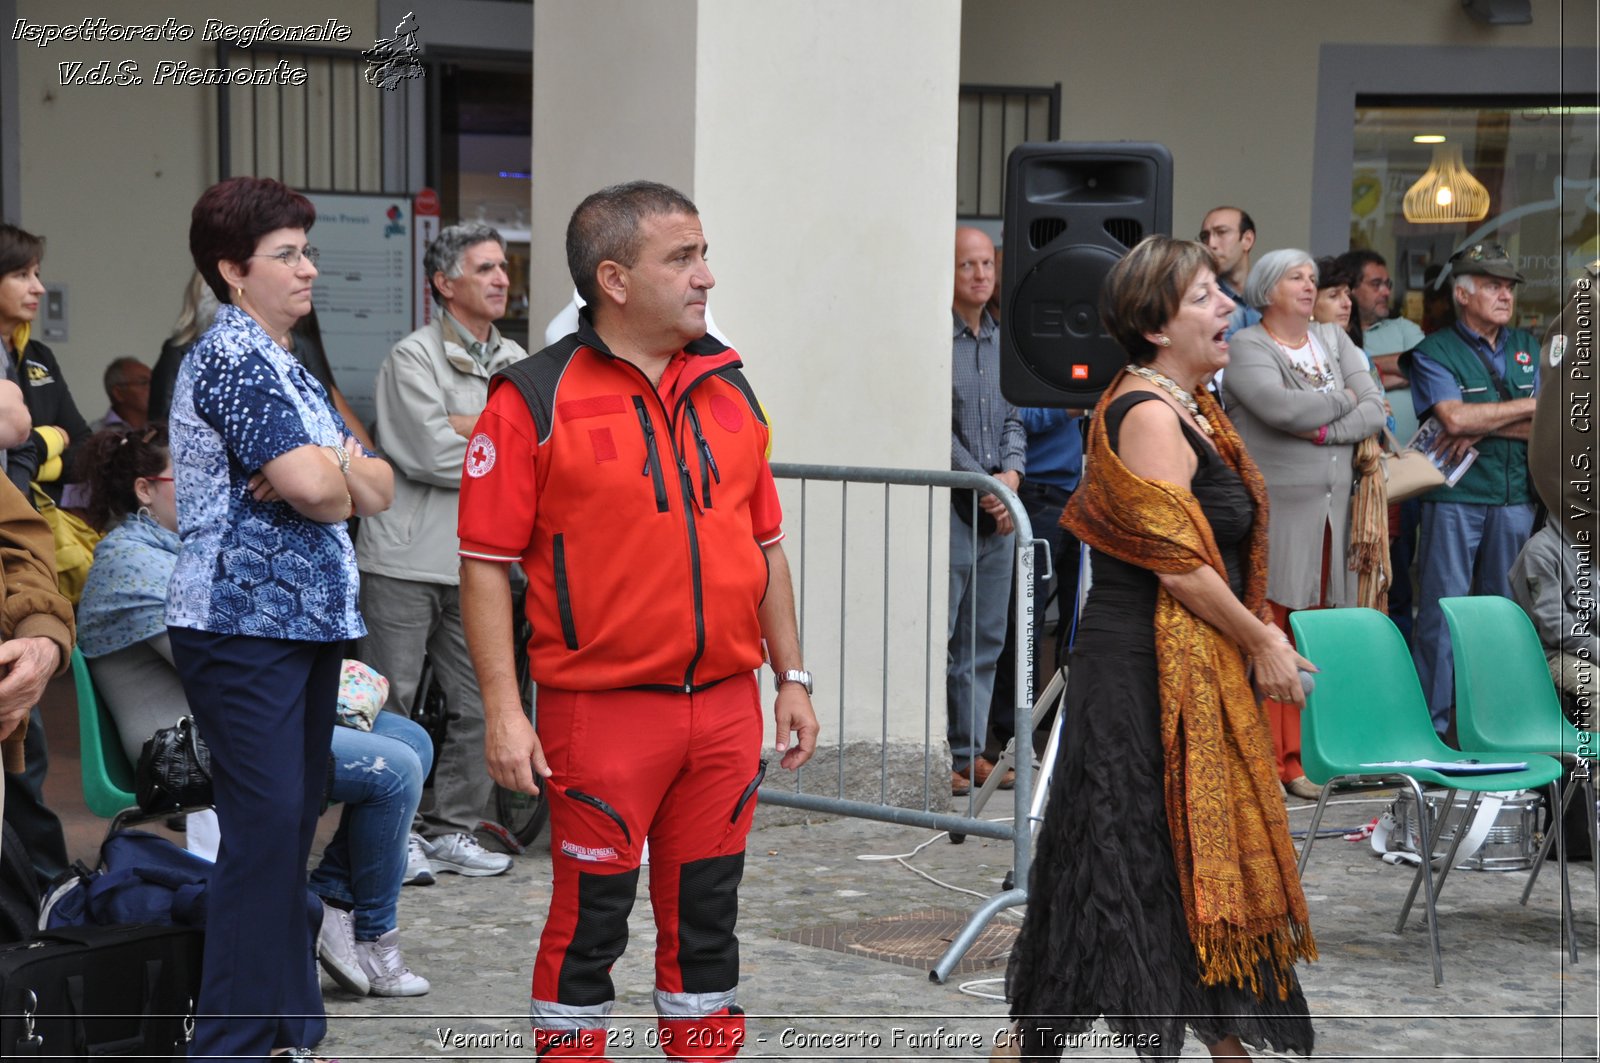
986,437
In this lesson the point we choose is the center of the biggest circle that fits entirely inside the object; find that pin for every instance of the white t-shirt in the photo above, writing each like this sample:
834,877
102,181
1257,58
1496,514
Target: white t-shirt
1311,361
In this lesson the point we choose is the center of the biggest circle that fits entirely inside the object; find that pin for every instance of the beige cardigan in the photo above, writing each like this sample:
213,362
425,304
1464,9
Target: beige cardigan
1308,486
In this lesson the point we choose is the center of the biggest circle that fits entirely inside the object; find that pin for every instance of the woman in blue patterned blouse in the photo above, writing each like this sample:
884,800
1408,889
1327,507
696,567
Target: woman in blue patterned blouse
261,603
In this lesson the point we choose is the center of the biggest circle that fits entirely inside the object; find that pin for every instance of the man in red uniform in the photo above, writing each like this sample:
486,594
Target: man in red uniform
625,468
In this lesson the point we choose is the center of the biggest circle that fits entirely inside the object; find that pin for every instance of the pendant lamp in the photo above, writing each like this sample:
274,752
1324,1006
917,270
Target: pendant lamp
1446,192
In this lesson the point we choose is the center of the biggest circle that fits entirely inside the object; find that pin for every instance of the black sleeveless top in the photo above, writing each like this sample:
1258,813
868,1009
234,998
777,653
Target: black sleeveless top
1120,613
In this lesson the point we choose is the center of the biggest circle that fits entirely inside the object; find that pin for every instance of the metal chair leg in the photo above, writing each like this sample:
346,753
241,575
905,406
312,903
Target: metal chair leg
1544,853
1316,821
1424,879
1566,885
1449,858
1461,832
1567,793
1591,819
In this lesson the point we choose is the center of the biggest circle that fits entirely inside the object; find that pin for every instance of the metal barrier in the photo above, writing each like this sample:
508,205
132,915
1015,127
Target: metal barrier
804,792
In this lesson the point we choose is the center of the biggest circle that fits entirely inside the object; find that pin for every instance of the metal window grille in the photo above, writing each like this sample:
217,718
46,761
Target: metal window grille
993,119
329,134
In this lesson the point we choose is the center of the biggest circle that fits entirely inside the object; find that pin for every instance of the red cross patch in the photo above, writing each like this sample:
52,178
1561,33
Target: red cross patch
480,456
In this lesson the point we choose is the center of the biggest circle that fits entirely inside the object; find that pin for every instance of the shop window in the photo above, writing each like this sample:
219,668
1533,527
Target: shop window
1536,158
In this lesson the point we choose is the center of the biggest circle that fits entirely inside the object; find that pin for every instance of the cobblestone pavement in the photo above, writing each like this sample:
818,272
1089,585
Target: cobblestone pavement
1510,990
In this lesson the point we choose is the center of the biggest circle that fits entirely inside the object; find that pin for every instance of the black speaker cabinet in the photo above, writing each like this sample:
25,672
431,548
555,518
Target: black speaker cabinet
1072,211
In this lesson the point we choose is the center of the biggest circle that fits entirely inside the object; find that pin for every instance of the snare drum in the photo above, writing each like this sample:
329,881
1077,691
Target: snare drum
1513,841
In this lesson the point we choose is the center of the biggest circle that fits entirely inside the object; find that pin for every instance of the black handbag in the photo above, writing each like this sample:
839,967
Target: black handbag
174,769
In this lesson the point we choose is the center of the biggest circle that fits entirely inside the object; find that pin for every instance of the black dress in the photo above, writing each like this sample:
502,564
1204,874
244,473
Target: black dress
1105,932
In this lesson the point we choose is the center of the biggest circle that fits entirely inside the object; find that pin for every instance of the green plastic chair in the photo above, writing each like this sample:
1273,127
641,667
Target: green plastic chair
1505,699
107,775
1367,709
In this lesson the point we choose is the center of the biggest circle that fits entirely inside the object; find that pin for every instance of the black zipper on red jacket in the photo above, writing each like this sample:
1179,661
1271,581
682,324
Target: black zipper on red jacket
652,458
686,488
707,460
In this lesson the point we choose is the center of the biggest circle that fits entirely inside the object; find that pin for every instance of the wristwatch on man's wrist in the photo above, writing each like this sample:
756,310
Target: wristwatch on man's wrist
792,675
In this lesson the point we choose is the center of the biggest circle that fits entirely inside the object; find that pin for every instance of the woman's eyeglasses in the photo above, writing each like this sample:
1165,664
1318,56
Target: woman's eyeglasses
291,256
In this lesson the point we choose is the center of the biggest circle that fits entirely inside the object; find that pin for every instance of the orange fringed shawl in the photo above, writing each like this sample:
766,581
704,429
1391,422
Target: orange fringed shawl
1230,832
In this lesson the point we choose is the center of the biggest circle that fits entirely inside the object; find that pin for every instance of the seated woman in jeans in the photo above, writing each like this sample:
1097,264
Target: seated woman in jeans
378,775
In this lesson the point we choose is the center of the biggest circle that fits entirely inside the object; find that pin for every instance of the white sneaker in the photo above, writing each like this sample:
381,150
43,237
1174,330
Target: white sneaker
387,970
336,950
461,854
418,871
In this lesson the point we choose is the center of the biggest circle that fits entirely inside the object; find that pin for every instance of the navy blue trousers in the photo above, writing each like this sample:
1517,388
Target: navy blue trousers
265,708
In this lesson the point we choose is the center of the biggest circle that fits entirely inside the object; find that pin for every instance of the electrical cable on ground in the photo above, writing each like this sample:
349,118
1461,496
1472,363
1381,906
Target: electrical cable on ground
968,988
903,858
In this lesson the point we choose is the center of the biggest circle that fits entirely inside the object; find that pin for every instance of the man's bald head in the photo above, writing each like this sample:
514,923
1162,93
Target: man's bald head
974,272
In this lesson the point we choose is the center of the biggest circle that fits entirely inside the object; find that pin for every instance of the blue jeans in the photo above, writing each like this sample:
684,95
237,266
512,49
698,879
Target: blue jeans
1466,548
378,775
980,591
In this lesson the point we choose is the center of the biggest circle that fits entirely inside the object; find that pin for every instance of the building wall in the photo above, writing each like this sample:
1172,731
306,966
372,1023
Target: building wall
1231,87
604,113
110,173
826,175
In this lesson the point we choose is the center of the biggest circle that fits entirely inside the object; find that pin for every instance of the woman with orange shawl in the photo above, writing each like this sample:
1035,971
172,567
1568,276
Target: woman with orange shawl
1164,893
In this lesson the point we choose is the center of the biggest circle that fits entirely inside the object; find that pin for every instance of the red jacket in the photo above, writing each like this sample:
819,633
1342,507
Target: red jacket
640,515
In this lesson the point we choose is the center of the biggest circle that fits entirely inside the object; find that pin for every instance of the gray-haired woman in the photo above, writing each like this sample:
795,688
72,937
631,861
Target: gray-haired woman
1301,396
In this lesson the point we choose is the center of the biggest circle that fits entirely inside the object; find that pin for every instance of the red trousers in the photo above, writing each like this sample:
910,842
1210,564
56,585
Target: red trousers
1282,717
681,770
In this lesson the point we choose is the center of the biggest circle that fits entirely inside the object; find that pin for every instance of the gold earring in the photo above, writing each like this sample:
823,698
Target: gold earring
240,291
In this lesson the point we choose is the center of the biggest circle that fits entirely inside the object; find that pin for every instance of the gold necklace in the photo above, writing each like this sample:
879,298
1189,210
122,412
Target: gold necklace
1171,387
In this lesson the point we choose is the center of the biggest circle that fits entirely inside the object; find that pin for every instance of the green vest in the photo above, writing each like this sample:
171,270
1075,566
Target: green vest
1500,475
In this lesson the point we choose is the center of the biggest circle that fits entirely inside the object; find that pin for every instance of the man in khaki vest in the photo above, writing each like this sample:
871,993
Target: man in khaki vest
1478,378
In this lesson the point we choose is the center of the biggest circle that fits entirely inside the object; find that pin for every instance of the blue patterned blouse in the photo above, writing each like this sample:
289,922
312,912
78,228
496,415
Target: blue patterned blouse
248,567
125,597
